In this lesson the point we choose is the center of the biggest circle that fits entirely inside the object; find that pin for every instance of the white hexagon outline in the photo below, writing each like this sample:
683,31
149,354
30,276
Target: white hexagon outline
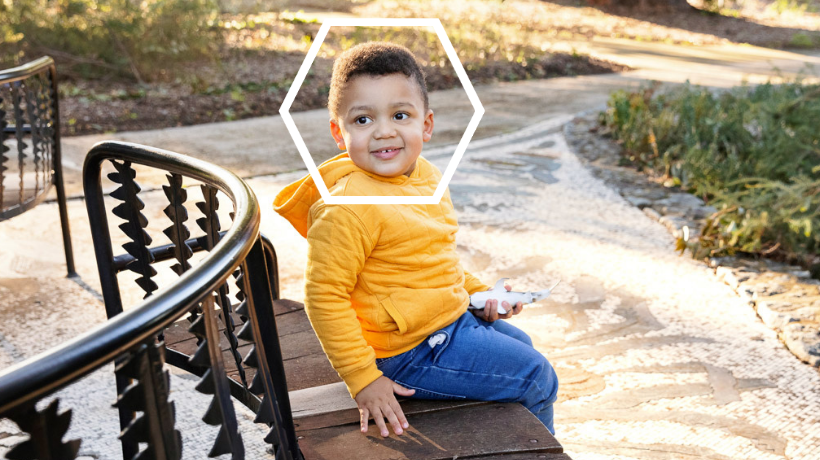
300,78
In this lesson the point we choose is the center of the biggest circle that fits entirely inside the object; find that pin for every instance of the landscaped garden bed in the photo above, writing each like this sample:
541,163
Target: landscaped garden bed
751,153
758,232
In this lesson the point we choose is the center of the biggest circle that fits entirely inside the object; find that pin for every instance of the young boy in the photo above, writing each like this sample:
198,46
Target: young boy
385,291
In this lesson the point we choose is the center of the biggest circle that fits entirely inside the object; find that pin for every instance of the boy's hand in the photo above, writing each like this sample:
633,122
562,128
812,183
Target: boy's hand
377,400
490,311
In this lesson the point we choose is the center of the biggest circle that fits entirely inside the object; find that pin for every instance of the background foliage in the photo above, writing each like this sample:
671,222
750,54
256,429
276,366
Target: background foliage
108,36
752,153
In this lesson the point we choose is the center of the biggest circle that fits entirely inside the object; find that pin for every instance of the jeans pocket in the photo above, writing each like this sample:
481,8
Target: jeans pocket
438,342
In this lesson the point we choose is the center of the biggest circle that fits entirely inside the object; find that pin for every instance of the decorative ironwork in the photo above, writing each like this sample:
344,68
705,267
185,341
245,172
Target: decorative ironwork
46,429
266,355
48,98
128,338
210,225
178,233
148,394
3,149
19,120
28,96
266,413
215,382
34,123
130,210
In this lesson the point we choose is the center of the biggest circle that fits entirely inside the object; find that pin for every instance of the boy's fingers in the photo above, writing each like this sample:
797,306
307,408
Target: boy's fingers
400,415
506,306
365,414
508,287
400,390
519,307
489,309
378,418
394,421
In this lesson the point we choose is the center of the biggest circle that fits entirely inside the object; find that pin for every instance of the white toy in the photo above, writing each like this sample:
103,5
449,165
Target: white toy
500,293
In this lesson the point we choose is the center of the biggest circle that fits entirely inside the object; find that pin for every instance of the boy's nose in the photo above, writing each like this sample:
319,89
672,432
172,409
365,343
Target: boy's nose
383,130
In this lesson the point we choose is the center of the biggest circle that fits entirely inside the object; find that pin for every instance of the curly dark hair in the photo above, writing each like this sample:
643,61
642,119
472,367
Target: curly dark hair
373,58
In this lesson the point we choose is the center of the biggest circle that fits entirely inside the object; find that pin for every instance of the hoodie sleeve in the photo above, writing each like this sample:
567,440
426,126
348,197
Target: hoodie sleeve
338,245
473,284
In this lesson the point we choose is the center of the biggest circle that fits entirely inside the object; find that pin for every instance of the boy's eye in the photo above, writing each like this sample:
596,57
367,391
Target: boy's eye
361,120
401,116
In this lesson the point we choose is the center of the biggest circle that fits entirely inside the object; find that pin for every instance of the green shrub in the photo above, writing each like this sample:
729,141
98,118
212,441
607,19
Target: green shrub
94,37
753,153
801,40
791,6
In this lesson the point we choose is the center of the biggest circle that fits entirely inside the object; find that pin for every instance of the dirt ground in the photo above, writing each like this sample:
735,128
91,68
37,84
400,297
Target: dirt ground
94,110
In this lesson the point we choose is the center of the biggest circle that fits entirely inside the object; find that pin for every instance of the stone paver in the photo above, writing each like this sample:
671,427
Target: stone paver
658,359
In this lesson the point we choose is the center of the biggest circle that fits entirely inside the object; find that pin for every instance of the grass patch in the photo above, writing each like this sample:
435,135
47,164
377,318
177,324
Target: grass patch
752,153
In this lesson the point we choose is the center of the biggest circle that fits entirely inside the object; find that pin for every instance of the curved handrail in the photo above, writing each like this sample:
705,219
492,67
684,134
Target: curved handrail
54,172
47,372
26,70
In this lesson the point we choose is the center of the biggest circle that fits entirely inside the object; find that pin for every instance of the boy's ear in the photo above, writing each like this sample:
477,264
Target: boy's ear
336,132
427,133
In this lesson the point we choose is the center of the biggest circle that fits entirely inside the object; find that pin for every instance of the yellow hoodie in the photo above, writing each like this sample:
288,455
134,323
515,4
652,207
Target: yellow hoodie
379,278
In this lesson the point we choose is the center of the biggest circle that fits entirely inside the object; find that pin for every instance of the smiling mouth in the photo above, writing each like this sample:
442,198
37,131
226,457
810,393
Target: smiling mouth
386,154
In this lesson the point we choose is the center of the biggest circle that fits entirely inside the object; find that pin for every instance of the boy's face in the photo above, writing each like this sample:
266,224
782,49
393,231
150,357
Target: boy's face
382,123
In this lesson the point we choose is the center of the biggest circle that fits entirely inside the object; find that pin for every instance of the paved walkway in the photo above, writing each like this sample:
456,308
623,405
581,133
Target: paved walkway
657,358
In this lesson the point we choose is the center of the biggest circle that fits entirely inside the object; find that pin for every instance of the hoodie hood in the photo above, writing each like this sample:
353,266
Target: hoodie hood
294,201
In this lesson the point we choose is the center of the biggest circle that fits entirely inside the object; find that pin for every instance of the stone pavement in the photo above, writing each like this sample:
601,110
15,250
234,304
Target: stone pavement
657,358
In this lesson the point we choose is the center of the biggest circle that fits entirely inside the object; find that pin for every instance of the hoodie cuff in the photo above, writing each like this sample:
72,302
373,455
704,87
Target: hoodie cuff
357,380
473,285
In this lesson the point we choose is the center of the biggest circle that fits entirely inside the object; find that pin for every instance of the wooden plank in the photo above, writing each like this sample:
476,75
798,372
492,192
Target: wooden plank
306,364
309,371
178,331
293,323
525,456
282,306
304,372
351,416
300,344
469,431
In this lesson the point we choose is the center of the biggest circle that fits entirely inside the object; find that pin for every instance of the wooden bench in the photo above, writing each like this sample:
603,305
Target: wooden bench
327,419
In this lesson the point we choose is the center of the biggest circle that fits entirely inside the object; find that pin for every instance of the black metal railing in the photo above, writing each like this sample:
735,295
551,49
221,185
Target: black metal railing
30,155
133,338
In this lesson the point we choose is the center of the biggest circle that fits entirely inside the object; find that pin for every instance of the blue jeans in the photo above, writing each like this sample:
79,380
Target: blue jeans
474,359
